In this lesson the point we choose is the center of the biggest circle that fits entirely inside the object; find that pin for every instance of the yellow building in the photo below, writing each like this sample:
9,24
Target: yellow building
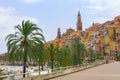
103,38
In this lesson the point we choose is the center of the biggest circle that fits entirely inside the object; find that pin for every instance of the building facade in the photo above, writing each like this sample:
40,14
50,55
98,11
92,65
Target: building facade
102,38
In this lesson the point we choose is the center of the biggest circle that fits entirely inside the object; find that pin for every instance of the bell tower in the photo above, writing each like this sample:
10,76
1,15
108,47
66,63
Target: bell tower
79,23
58,33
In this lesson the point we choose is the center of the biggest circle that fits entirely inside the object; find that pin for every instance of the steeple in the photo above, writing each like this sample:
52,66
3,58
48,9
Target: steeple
58,33
93,24
79,13
79,23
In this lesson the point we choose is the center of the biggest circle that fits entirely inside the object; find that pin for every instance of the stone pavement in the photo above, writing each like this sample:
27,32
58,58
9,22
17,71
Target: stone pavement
109,71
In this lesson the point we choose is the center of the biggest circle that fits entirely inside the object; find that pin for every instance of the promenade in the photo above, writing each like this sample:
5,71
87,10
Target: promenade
109,71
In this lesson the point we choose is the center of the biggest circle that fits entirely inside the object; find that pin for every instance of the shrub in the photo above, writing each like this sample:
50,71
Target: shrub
101,57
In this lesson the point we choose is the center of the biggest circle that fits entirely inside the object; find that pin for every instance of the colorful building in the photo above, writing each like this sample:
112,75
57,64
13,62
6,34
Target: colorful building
102,38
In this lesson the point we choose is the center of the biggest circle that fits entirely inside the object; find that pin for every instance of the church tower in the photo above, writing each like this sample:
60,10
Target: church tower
79,23
58,33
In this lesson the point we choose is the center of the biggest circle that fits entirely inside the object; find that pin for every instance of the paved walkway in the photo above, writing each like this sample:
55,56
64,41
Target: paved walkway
109,71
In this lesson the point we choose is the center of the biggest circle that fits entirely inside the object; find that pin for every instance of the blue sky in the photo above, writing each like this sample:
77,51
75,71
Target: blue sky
51,14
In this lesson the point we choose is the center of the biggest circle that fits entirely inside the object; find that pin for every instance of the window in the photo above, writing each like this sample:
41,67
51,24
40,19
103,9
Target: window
115,47
116,35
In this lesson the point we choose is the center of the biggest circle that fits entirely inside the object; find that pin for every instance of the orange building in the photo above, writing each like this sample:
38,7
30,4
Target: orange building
103,38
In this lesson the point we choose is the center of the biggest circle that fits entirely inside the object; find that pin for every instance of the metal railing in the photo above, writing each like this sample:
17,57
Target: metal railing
56,71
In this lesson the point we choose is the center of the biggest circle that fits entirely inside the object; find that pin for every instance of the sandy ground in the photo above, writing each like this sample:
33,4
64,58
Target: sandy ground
109,71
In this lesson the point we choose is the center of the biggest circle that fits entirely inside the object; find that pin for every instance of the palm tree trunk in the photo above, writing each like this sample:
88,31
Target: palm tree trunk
52,65
24,62
42,66
39,69
13,63
65,64
48,62
24,70
39,66
78,57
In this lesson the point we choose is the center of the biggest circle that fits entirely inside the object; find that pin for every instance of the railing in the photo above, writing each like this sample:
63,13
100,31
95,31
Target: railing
46,74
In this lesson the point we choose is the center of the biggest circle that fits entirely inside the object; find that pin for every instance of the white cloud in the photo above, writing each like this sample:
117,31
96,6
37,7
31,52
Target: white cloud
102,10
32,1
107,6
7,23
8,10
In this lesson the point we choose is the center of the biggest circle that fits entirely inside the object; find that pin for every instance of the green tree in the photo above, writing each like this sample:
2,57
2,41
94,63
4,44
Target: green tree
64,57
91,54
40,55
0,71
80,50
52,54
118,56
23,40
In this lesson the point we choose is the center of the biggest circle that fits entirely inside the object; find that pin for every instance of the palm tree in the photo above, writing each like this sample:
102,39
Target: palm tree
23,40
40,55
80,49
52,52
64,57
91,54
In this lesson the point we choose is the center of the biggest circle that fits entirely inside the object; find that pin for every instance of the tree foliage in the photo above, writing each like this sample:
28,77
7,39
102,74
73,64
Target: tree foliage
22,41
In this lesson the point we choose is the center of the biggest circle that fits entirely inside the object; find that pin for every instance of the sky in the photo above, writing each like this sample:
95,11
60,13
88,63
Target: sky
51,14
